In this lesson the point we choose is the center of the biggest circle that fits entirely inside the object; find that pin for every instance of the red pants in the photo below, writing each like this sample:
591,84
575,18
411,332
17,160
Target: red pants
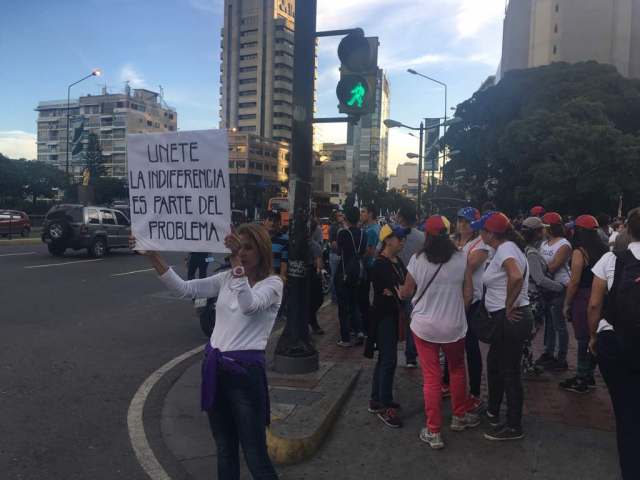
429,358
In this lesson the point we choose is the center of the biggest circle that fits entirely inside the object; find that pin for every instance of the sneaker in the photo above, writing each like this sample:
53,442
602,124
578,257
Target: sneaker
446,392
343,344
591,382
545,359
375,407
575,384
359,340
395,405
558,366
318,331
390,418
493,419
460,424
535,372
413,364
504,433
434,440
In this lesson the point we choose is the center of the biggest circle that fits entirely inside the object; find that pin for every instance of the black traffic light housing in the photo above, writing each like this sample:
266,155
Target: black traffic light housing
356,89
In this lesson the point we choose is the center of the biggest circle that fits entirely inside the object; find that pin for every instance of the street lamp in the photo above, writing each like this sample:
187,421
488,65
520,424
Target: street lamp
95,73
413,72
389,123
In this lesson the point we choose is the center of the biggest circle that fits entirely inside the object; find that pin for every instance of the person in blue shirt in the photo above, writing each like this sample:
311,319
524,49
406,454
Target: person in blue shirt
371,228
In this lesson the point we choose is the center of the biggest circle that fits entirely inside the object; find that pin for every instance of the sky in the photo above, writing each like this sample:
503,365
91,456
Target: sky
46,45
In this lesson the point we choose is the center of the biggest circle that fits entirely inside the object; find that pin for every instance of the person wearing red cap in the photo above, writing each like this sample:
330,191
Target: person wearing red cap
436,280
537,211
588,248
506,300
556,250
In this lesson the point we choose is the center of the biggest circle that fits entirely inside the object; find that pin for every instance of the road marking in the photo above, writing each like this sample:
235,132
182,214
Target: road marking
63,263
137,435
17,254
131,273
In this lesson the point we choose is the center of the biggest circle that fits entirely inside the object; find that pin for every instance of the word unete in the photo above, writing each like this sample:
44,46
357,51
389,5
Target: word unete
173,152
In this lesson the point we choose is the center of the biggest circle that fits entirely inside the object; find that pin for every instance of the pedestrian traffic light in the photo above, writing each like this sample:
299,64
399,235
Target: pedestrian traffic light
358,74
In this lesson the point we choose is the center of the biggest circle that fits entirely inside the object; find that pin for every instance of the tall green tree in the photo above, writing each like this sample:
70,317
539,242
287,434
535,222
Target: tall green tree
93,159
41,179
566,136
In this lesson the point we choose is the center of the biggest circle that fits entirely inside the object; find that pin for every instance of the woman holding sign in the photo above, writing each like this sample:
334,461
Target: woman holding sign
234,383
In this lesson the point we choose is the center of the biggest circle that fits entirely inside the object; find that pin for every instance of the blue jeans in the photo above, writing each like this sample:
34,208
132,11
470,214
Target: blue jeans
239,418
556,332
334,259
385,369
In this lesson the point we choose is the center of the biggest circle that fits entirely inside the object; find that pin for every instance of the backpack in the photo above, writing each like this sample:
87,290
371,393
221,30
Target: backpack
354,273
623,306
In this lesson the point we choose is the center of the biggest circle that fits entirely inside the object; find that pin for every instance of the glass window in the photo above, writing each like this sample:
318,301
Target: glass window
107,217
122,220
94,218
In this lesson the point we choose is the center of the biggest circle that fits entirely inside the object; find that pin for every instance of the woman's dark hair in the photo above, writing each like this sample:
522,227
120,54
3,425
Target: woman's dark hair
530,235
589,241
352,214
438,248
633,224
557,230
512,235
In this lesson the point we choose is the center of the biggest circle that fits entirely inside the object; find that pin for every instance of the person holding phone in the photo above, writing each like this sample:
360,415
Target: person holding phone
234,383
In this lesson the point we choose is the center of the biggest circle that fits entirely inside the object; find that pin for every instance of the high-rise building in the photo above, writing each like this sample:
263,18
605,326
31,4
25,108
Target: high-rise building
368,141
256,72
540,32
111,116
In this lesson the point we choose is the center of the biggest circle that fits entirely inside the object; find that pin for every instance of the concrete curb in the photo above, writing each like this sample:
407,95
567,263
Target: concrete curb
299,435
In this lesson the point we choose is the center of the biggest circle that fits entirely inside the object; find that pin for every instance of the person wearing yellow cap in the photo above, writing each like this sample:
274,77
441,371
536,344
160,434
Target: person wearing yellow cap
387,274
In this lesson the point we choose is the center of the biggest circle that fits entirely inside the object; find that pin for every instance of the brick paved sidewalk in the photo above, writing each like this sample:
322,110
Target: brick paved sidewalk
543,398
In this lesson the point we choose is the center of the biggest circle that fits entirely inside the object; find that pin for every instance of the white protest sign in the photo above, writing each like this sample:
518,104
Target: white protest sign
179,190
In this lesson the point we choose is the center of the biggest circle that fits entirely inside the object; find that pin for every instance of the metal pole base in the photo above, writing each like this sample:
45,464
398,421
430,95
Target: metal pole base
296,365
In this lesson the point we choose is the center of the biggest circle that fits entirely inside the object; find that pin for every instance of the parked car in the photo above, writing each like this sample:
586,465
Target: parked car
14,222
98,229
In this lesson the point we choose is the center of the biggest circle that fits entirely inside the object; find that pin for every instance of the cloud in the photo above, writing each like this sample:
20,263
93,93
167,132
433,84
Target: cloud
129,73
18,144
473,16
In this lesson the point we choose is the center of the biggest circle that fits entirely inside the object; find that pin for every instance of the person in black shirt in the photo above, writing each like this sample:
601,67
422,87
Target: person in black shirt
387,275
352,245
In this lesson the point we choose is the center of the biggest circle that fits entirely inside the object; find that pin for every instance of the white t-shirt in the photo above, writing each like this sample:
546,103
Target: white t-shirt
548,252
244,315
495,278
612,239
439,316
605,269
470,247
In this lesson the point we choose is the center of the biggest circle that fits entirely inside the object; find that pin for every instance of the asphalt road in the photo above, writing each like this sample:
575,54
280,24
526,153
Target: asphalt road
77,338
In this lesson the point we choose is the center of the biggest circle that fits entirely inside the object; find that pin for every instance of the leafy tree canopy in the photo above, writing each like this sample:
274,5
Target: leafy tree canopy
565,136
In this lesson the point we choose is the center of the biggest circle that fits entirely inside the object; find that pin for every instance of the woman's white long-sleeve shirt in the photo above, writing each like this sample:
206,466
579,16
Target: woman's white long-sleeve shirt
244,315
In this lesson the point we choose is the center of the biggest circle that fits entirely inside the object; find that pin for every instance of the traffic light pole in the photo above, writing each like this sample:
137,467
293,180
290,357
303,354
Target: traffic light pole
420,158
294,352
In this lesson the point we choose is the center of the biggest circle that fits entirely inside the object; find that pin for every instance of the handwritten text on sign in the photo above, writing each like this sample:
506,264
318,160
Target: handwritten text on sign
179,190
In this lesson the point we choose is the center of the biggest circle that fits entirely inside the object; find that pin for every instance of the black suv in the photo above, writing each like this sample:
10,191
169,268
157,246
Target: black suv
98,229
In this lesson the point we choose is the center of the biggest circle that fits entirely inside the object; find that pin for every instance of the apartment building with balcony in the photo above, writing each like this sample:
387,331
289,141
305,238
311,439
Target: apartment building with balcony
111,116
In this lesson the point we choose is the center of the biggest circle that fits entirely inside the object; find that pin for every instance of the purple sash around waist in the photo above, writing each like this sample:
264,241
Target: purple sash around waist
234,362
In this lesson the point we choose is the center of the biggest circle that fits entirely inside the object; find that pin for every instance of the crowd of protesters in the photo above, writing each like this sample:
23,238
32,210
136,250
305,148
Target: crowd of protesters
497,281
441,287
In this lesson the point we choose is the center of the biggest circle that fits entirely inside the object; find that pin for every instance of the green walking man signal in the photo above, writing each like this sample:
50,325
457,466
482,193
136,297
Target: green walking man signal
357,95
